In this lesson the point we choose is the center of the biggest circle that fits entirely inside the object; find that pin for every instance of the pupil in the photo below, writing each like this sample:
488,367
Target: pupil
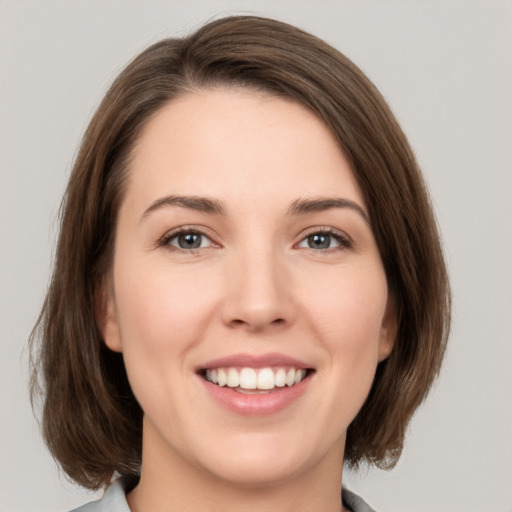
319,241
189,241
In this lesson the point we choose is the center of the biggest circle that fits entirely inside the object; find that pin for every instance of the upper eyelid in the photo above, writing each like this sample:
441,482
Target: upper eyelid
172,233
188,228
345,241
326,230
204,231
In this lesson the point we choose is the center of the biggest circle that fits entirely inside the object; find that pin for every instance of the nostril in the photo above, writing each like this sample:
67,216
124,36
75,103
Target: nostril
255,325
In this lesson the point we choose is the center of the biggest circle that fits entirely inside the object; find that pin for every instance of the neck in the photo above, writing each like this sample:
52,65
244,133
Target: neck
171,483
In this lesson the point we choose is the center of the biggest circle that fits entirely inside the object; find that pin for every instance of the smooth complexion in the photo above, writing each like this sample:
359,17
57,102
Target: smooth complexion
243,241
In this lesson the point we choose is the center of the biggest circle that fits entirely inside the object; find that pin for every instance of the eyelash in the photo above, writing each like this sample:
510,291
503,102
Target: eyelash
343,241
165,241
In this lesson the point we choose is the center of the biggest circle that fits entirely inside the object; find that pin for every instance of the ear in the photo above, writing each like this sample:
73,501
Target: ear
389,329
106,314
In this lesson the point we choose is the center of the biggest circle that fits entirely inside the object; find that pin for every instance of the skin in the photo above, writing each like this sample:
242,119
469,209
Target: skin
255,286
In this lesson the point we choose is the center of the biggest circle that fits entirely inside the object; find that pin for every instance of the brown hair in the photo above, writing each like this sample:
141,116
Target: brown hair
91,420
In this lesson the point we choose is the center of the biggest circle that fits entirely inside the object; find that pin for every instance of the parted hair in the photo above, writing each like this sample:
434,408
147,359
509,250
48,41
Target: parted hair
90,418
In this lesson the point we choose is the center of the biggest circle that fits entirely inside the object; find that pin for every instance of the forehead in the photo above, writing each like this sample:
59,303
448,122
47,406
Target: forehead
238,144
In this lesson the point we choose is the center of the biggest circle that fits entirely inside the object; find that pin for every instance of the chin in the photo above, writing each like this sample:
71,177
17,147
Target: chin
265,463
255,473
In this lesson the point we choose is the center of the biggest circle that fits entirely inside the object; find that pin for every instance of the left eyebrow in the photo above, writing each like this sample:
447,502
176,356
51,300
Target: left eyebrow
303,206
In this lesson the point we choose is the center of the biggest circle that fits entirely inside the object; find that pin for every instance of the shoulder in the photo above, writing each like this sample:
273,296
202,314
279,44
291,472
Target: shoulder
114,500
355,503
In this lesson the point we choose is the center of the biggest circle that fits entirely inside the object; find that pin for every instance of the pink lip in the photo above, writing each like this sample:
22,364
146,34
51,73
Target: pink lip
255,404
254,361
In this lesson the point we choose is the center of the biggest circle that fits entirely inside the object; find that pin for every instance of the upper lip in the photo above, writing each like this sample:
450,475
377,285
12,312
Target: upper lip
255,361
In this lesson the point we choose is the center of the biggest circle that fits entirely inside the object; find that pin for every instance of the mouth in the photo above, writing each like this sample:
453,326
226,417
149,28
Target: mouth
256,384
249,380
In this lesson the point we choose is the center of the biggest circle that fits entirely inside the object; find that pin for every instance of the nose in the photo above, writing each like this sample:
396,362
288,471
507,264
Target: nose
259,294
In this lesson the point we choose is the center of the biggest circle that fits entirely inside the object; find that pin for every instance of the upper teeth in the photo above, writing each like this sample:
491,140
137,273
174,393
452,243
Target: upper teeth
250,378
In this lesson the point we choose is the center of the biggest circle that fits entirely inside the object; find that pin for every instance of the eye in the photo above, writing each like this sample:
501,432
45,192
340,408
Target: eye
187,240
323,240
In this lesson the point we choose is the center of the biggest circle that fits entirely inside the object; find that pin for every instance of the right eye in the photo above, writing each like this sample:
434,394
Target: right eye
187,240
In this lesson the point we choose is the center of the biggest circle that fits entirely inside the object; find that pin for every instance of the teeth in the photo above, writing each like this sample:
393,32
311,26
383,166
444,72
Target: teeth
222,378
248,379
252,379
233,378
266,379
280,378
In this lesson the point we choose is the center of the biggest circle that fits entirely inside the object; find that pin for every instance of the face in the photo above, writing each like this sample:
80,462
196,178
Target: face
247,293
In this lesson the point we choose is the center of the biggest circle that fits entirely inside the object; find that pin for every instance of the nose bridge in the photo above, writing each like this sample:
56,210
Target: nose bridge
258,293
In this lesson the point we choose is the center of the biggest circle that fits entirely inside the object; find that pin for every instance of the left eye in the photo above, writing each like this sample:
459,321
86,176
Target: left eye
322,241
189,240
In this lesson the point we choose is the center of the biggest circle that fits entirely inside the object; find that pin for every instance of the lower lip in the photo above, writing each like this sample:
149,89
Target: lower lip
256,404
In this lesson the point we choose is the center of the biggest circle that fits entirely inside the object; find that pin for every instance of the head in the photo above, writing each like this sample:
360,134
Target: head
91,419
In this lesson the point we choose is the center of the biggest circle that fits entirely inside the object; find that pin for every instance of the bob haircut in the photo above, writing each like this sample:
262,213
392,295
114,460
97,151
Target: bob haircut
90,419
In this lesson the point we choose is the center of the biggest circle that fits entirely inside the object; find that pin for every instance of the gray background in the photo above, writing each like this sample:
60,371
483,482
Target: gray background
446,69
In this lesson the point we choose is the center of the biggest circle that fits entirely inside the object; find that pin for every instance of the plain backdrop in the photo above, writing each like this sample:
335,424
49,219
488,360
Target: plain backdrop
446,69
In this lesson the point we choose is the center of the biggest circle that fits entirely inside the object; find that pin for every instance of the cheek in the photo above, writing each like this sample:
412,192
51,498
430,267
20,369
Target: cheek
348,308
162,315
347,315
160,310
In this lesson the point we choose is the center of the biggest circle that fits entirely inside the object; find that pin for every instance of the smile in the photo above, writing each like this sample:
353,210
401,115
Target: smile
255,385
255,380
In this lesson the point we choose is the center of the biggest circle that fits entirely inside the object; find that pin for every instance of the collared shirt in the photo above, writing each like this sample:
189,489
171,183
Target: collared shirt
114,500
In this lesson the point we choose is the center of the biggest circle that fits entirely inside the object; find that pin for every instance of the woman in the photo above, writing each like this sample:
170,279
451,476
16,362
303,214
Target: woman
249,288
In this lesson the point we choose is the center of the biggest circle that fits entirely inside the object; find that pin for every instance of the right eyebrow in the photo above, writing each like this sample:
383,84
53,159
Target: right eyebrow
198,203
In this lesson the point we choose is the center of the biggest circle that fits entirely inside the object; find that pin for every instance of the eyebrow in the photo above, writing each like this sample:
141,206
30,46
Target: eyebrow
200,204
297,207
303,206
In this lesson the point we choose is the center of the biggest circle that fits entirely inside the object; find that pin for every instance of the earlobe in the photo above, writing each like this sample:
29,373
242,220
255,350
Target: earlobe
106,315
389,330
